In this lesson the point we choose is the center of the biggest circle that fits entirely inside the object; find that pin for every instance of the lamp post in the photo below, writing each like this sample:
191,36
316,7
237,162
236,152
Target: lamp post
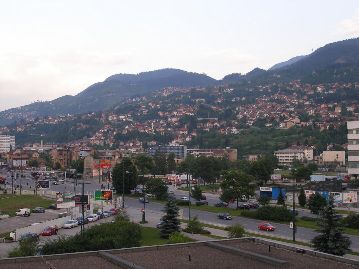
123,185
293,214
189,197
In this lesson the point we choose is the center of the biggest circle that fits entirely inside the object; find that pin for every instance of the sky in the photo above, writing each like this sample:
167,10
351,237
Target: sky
51,48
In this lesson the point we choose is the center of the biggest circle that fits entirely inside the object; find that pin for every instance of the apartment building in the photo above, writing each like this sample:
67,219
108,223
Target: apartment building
7,143
287,156
180,151
228,153
353,148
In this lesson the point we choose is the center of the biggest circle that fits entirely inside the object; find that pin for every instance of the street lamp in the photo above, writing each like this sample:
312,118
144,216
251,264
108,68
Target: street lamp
294,226
123,185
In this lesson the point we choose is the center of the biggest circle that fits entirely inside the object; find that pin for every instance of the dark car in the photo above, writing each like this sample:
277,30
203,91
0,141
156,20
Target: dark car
225,216
143,200
221,204
253,205
81,221
38,210
53,206
159,225
198,203
244,206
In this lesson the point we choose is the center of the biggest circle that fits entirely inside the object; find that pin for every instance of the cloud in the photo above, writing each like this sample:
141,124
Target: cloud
28,76
350,26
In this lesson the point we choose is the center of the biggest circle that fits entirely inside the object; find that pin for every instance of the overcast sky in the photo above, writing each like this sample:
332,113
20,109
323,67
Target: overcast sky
50,48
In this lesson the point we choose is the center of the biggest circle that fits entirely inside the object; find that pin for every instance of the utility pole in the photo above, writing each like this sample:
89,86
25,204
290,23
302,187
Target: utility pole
293,213
123,185
189,197
12,181
20,171
83,207
144,199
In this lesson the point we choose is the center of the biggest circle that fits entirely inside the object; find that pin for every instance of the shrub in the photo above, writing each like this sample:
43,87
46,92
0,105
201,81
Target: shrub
351,221
195,227
177,237
236,231
264,200
306,218
274,213
316,203
27,247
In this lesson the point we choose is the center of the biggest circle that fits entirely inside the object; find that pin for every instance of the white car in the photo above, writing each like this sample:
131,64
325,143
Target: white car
23,212
70,224
184,198
93,217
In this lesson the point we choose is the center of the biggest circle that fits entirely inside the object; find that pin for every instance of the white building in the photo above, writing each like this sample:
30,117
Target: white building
7,142
287,156
353,147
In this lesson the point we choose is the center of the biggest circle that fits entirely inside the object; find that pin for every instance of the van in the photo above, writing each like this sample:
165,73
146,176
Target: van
25,212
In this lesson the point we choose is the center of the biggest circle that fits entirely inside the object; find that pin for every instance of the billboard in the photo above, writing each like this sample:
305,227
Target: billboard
43,184
81,199
101,195
350,197
337,197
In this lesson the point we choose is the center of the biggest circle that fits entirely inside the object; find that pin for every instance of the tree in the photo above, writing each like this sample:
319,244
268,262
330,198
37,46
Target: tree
302,199
156,187
170,223
171,163
239,183
27,247
144,164
263,200
124,173
196,192
236,231
316,203
160,164
331,239
78,165
280,200
33,163
302,172
263,168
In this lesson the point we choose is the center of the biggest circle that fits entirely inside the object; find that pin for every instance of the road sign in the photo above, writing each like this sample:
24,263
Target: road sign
291,224
81,199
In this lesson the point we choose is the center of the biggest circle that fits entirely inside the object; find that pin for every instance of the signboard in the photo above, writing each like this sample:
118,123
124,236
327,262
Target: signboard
337,197
265,188
81,199
350,197
43,184
104,164
101,195
66,205
291,225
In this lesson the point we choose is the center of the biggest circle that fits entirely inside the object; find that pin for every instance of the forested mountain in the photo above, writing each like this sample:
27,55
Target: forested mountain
335,62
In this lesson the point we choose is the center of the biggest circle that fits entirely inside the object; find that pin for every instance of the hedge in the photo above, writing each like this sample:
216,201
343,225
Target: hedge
274,213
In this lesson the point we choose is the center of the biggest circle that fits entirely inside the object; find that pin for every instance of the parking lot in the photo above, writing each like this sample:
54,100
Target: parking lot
10,224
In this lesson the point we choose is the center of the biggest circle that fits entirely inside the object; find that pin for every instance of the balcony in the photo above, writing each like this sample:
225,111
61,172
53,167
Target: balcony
353,158
353,171
353,147
353,136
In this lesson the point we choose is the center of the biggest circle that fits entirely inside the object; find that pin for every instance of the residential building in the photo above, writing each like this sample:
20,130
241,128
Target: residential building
180,151
333,157
230,154
353,148
7,143
287,156
61,156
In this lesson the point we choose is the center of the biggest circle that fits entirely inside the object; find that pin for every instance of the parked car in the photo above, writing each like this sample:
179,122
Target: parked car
143,200
38,210
81,221
70,224
55,183
253,205
243,206
202,202
159,224
115,211
295,212
266,227
29,235
107,214
53,206
25,212
93,217
221,204
225,216
184,198
50,230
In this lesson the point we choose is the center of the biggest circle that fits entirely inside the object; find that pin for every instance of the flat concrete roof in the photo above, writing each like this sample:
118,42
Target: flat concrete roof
245,253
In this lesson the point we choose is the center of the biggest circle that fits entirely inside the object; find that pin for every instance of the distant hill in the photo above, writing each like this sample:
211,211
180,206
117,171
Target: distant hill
287,63
104,95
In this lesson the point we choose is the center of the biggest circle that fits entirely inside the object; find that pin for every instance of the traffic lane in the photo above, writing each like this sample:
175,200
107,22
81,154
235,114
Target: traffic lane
13,223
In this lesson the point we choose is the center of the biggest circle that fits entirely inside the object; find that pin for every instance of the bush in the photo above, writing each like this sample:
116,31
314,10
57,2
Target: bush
195,227
177,237
274,213
264,200
27,247
306,218
183,203
351,221
119,234
236,231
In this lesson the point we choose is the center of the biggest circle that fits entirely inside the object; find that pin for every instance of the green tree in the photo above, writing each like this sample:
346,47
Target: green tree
302,172
331,239
171,222
124,173
316,203
302,199
280,200
160,164
47,159
236,231
27,247
171,163
263,168
78,165
239,183
156,187
144,164
33,163
196,192
264,200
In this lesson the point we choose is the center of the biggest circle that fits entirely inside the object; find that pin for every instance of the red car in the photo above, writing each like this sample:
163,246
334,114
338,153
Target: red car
48,231
266,227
